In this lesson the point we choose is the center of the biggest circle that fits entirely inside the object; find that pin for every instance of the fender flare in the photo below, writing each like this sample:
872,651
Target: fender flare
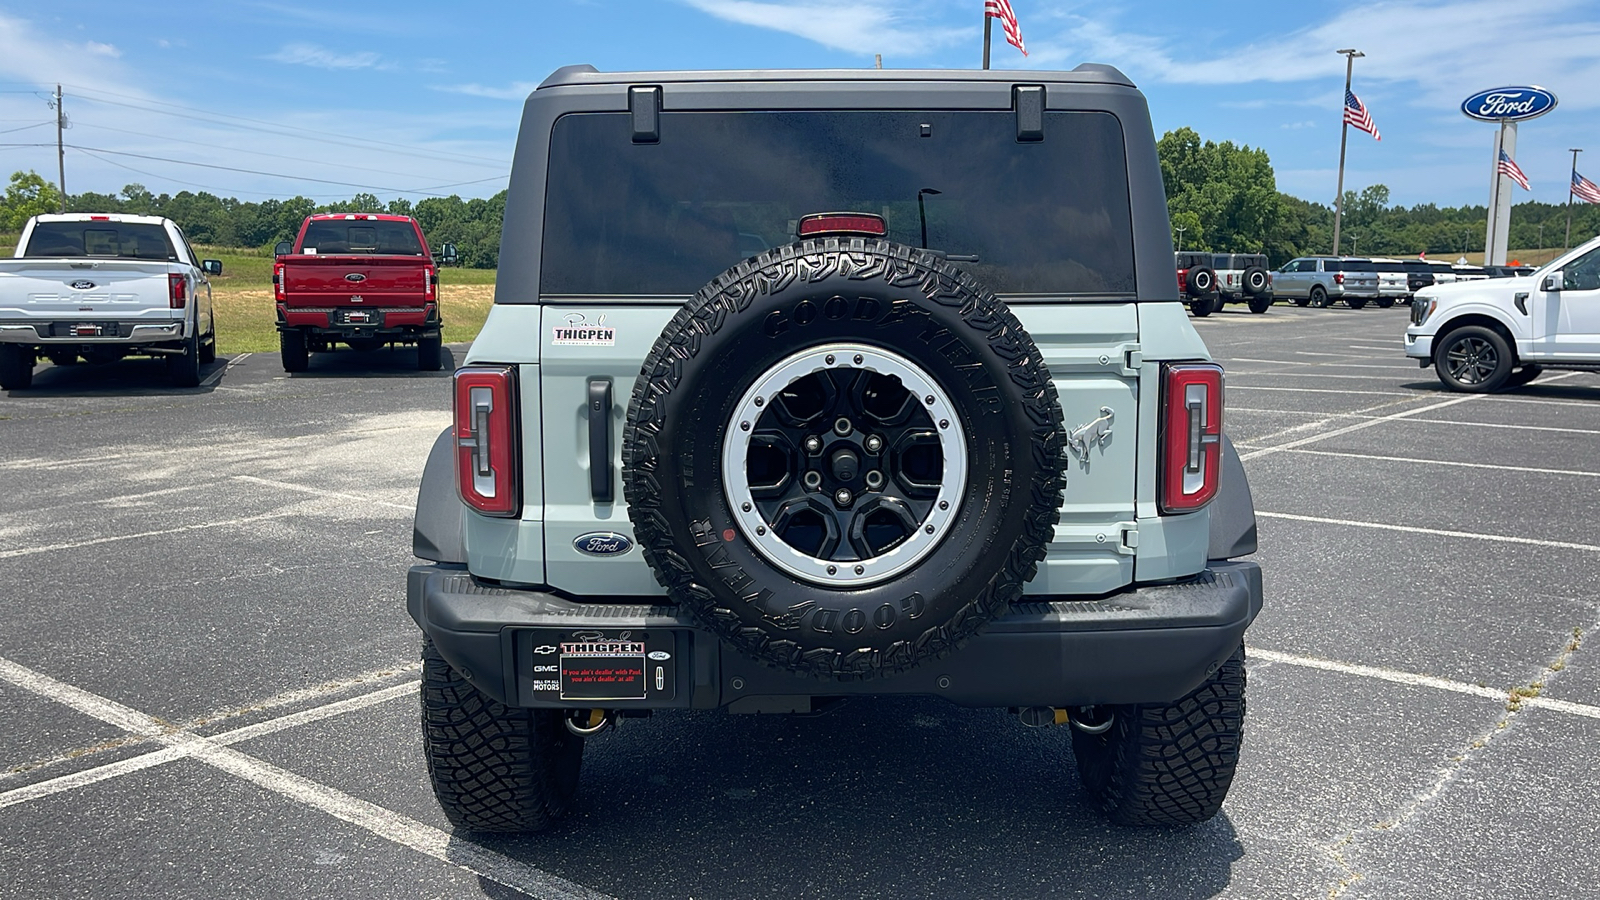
1233,512
438,530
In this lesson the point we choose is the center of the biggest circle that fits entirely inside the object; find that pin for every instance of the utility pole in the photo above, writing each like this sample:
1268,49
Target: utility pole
1567,244
987,20
1344,138
878,61
61,152
1180,229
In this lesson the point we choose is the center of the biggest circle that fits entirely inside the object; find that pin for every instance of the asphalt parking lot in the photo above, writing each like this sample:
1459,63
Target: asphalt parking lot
209,680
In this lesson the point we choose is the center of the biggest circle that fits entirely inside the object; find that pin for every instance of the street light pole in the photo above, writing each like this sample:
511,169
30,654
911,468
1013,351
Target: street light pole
1344,138
1180,229
1567,244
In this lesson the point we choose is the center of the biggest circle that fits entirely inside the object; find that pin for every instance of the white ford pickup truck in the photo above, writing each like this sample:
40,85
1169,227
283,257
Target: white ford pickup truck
1483,335
101,287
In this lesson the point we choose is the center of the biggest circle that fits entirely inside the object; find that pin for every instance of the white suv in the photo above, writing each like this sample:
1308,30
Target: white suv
1483,335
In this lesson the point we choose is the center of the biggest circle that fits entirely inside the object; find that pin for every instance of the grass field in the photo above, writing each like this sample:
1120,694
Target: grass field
242,296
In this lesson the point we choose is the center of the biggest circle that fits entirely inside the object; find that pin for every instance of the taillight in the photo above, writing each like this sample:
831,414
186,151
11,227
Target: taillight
1338,278
430,278
177,291
1183,280
486,460
842,223
1191,435
279,289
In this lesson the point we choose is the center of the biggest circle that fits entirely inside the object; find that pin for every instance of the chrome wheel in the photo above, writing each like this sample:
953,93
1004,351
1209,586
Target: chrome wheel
1471,360
844,465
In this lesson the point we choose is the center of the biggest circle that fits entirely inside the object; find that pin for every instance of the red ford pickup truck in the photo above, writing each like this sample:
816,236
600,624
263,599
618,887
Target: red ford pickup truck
364,279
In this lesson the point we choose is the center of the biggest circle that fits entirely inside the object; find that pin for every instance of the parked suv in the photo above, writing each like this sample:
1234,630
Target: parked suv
684,478
1243,278
1486,334
1393,283
1320,280
1197,282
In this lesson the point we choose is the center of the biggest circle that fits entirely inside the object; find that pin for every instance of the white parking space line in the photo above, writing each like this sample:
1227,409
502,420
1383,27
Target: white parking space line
1323,365
1318,374
1438,532
316,714
1500,425
322,492
73,545
214,376
1300,390
384,823
1356,427
1437,462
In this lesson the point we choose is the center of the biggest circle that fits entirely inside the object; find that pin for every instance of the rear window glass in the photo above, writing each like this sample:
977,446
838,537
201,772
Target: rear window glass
1357,265
1441,267
1416,266
366,237
1050,217
104,240
1389,266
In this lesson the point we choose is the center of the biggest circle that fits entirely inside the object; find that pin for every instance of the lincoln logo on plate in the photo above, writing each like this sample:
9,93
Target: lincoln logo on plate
602,543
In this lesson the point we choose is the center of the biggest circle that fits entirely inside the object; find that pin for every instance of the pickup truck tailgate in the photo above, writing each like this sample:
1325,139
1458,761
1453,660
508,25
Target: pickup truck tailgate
51,287
333,280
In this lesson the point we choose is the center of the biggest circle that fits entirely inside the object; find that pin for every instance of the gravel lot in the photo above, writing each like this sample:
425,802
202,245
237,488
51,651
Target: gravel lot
209,677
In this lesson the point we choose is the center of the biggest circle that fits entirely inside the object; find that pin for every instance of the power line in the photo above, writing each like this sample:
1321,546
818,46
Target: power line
210,117
184,162
26,127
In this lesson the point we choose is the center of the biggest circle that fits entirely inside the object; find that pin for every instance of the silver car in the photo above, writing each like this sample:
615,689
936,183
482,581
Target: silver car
1320,280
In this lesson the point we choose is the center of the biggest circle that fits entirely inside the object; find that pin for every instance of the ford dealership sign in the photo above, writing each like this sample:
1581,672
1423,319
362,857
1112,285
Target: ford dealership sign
1514,103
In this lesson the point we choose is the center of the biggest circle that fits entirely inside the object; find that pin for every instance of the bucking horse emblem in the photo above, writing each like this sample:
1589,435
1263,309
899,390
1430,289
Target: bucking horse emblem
1097,431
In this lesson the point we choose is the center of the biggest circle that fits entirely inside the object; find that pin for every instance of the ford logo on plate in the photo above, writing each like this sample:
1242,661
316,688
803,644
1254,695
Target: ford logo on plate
602,543
82,285
1513,103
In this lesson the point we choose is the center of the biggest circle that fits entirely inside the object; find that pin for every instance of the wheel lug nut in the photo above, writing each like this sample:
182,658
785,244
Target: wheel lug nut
842,496
744,426
842,426
813,479
833,570
813,444
874,443
858,359
760,401
860,569
830,359
928,399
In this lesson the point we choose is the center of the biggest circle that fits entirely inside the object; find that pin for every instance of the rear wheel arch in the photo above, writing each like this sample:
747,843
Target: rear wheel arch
439,527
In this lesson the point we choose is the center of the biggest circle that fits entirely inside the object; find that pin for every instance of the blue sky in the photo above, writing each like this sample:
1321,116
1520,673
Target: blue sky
425,97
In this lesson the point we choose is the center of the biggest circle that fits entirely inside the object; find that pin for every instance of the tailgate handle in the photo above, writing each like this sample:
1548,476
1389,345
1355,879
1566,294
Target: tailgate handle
600,440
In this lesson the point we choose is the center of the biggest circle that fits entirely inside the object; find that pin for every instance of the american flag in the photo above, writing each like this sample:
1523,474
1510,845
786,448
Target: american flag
1508,166
1584,189
1357,115
1001,9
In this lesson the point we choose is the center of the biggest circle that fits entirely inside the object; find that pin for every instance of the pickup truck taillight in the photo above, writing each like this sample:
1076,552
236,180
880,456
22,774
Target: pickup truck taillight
1191,435
279,292
430,282
177,291
1183,280
485,425
1338,278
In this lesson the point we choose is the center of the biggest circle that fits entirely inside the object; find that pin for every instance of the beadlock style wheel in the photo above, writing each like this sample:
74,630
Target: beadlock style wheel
844,465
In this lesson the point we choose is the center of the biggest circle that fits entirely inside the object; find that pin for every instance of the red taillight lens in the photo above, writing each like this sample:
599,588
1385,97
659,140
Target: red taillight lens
430,279
1183,279
842,223
1191,435
486,459
1338,278
279,289
177,291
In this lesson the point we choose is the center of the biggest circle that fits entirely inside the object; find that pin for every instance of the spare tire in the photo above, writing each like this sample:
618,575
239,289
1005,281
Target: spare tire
1201,281
844,457
1255,281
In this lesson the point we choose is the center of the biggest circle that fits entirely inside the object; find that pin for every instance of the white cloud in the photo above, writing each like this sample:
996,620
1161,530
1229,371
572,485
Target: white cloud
854,26
323,58
1296,126
518,90
100,49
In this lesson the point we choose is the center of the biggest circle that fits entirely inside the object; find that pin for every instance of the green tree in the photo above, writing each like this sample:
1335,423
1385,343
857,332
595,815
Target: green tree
26,196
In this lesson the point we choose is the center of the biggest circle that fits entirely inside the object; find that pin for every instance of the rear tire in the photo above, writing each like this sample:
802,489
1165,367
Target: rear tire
430,352
1302,302
1384,302
494,768
1473,359
1319,297
16,367
208,350
292,348
1354,303
1259,305
1168,764
184,371
1203,307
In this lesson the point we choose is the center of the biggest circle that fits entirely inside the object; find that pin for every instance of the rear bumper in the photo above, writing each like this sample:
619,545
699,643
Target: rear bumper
1151,644
61,332
360,321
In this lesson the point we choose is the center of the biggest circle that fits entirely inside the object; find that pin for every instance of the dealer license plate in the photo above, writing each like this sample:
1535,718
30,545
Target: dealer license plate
602,670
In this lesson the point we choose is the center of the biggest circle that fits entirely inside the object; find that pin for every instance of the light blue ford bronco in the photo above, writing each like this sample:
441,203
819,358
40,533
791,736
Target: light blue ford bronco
808,385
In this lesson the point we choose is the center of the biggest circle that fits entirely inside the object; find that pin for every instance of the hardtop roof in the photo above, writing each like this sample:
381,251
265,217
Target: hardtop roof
1086,73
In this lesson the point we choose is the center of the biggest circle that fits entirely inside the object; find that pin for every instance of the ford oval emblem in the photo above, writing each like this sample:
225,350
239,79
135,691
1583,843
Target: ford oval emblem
602,543
1514,104
82,285
355,278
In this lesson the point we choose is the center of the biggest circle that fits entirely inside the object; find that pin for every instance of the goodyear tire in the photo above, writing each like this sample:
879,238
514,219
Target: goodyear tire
293,350
1172,763
16,367
844,456
494,768
1255,281
1201,280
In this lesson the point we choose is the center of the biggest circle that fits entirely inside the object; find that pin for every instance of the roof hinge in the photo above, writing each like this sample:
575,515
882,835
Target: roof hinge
1028,101
644,103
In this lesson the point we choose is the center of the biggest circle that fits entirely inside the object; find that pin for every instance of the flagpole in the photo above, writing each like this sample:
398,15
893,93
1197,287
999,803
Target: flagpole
1494,196
1567,244
1344,138
988,21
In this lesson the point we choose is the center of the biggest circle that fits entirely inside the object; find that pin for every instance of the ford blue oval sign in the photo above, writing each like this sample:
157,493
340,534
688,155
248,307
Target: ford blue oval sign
1513,103
602,543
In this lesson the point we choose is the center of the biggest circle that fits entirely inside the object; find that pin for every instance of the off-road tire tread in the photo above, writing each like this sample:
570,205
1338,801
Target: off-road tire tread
494,768
1168,764
858,258
430,354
